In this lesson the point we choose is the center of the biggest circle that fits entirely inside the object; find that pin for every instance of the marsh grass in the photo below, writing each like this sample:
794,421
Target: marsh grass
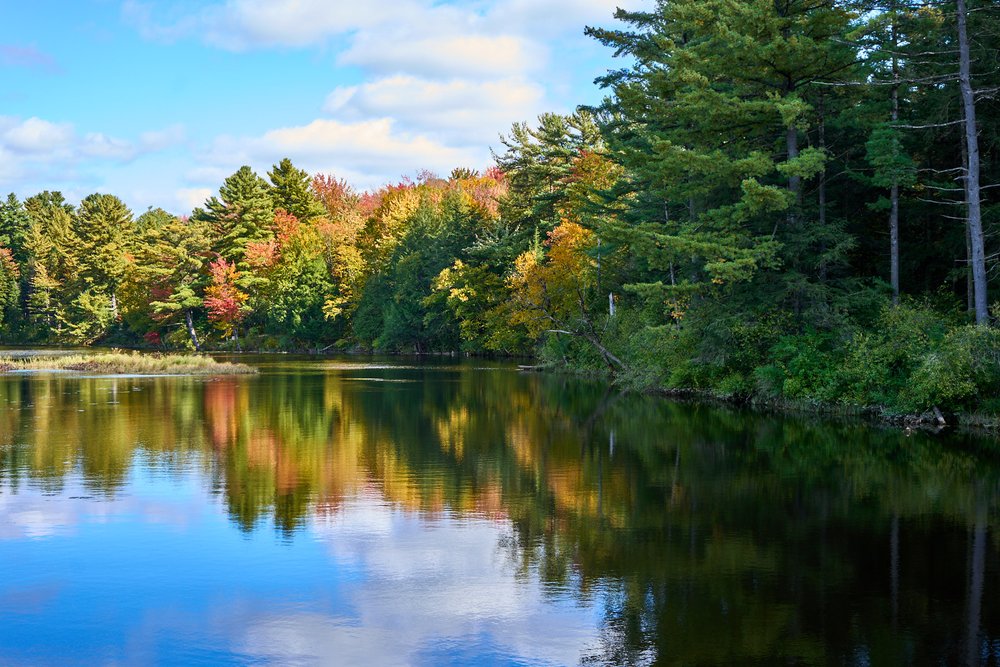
125,363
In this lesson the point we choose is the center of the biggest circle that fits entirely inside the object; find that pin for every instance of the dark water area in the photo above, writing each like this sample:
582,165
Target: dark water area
360,512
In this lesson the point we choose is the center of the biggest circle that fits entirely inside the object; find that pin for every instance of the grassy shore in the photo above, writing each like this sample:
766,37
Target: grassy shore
122,363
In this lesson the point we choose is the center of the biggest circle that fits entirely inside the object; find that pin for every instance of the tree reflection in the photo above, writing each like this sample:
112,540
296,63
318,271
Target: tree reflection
707,536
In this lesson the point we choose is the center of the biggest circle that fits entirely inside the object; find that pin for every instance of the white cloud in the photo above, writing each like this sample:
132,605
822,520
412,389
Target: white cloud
34,135
38,154
407,36
168,137
427,586
100,145
241,25
444,55
187,199
39,141
463,111
365,151
28,57
547,17
441,79
245,24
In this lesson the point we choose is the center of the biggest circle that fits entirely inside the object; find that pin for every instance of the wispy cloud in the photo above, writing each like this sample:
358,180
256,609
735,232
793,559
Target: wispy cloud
440,79
28,57
459,111
365,151
43,153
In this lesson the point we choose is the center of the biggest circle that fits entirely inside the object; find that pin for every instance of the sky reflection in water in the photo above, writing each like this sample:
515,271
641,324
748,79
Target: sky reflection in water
342,513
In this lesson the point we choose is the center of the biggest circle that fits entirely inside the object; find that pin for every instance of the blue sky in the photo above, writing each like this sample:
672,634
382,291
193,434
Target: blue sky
159,101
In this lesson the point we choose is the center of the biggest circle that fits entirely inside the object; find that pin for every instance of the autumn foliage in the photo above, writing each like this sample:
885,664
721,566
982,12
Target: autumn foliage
224,301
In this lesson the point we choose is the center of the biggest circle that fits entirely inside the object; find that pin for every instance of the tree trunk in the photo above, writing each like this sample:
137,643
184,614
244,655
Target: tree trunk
977,573
794,182
894,243
975,214
822,192
894,190
191,332
970,291
894,568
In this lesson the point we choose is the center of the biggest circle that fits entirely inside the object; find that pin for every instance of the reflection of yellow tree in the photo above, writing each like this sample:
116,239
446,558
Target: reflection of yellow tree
671,511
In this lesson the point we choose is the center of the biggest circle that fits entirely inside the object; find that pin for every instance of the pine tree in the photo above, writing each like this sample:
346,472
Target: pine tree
291,190
14,224
172,258
709,125
241,214
106,231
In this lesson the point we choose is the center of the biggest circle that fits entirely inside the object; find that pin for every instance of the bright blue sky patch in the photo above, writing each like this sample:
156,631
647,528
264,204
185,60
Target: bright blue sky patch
159,101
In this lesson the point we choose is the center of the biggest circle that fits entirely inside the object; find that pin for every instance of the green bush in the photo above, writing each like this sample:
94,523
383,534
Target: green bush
802,367
879,363
959,374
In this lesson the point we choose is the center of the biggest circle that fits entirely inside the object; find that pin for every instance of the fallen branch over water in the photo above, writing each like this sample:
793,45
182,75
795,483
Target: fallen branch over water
120,363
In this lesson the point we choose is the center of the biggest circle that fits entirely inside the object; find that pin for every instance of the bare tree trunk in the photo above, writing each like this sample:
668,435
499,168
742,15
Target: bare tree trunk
972,174
894,190
894,243
794,182
970,290
191,332
822,191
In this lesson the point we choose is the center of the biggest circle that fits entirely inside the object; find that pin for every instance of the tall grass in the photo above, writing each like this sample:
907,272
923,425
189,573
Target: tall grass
124,363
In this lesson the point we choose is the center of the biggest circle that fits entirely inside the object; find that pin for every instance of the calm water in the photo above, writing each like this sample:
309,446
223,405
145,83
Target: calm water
344,512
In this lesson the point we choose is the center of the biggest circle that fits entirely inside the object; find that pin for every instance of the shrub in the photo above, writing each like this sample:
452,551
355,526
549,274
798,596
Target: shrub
803,367
962,371
880,362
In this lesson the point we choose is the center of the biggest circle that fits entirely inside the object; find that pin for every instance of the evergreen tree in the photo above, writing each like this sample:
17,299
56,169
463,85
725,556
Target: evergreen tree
153,218
709,126
10,286
106,231
291,190
14,224
53,265
172,259
242,213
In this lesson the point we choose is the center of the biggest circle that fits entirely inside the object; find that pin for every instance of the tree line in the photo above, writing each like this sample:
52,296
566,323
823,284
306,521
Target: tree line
790,199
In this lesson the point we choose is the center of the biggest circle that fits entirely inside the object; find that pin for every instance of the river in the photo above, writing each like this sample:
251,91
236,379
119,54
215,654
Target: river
385,512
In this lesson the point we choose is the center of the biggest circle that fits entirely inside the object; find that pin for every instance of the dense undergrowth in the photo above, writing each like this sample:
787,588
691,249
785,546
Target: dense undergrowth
909,360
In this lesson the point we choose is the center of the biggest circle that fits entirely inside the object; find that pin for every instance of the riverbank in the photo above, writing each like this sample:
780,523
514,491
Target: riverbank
932,420
121,363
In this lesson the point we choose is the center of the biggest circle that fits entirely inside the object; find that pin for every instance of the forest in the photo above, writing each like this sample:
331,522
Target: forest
790,201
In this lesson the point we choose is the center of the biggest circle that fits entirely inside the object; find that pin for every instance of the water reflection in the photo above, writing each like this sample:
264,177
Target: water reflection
429,514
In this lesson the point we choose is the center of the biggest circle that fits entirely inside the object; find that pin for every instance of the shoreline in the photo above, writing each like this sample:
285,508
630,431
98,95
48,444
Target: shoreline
928,422
121,363
931,421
